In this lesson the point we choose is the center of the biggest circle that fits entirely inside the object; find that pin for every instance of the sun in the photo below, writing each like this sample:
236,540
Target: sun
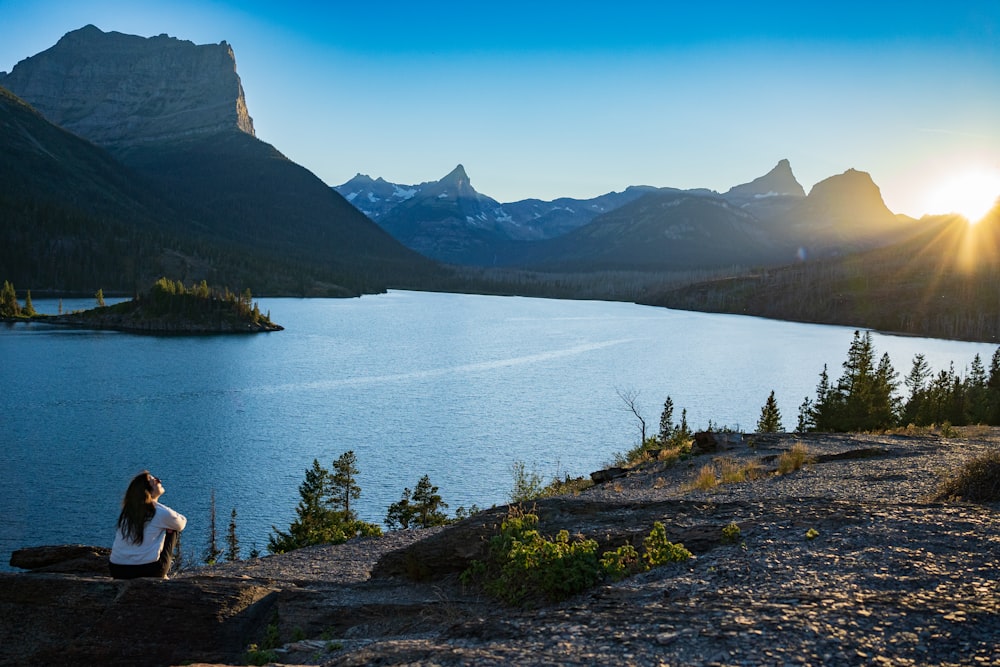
971,194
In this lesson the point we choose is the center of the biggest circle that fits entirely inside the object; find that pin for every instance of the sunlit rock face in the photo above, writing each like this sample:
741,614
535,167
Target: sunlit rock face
120,90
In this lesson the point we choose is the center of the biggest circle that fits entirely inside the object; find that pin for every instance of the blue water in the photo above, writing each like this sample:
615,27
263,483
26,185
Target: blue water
454,386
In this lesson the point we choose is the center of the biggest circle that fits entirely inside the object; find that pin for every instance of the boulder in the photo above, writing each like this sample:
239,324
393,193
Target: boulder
64,558
606,475
707,442
58,619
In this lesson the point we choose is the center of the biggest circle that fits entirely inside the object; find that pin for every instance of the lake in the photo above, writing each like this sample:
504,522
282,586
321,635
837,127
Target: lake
457,387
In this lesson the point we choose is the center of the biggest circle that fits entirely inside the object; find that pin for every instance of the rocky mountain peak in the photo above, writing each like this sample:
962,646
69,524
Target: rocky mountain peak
457,178
119,90
779,181
852,194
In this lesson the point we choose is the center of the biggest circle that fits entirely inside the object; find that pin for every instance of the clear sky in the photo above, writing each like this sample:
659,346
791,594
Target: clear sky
549,99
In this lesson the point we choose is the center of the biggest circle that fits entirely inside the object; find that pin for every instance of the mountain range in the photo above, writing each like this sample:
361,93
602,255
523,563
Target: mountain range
123,159
770,220
154,139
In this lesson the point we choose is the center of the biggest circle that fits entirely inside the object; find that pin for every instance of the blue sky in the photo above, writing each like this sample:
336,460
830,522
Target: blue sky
578,99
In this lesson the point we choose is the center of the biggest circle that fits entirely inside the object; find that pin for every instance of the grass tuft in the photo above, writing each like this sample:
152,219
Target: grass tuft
976,481
793,459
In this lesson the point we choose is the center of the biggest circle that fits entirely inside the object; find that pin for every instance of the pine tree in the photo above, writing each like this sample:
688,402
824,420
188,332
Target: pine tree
100,298
212,550
9,307
916,382
232,543
428,504
400,513
806,421
770,416
323,513
314,516
29,308
344,487
667,421
683,432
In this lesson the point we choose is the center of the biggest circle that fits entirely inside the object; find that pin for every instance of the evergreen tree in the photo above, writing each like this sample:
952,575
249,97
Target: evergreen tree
806,421
916,382
29,308
428,504
667,421
232,543
993,390
100,298
770,416
976,393
323,513
9,307
400,513
212,550
314,516
344,487
419,508
863,398
683,432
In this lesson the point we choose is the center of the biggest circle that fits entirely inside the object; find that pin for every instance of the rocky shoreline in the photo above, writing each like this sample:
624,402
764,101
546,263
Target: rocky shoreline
845,561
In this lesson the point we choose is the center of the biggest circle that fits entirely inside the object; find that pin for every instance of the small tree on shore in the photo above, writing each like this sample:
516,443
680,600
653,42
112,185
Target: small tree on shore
232,543
323,514
667,427
9,307
420,508
29,308
212,550
770,416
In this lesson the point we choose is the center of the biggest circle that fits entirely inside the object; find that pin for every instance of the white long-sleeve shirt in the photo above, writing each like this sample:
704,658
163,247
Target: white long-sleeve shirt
126,552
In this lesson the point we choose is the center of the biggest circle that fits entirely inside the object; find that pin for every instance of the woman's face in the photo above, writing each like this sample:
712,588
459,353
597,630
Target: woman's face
155,487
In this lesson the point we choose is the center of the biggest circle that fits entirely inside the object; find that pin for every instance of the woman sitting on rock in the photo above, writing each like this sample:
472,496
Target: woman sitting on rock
147,532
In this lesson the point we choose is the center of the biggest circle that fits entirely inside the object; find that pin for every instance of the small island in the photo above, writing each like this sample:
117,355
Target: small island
167,308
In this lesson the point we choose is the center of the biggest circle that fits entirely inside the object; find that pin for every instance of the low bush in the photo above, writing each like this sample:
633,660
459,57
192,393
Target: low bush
523,567
731,533
976,481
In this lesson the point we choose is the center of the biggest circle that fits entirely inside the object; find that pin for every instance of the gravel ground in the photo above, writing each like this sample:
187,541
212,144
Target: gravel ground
889,577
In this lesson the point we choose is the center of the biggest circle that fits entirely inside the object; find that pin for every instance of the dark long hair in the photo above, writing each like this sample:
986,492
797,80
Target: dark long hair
137,508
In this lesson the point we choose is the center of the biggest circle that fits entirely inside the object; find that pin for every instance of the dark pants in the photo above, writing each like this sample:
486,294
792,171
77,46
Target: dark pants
157,568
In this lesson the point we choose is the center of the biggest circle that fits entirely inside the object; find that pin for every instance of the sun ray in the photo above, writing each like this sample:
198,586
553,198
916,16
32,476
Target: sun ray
971,193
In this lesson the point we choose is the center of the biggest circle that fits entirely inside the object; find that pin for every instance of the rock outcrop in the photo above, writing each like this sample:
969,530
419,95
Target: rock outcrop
59,619
119,90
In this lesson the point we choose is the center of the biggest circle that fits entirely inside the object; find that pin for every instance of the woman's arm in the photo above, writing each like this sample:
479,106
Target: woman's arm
168,518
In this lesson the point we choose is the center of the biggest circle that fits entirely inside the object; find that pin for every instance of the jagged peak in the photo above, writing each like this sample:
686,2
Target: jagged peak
457,176
779,181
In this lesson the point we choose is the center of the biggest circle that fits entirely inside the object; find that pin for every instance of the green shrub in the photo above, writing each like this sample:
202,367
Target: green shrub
258,656
731,533
622,562
660,551
522,566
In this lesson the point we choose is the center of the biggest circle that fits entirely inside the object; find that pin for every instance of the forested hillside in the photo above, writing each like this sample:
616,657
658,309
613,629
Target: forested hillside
944,283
